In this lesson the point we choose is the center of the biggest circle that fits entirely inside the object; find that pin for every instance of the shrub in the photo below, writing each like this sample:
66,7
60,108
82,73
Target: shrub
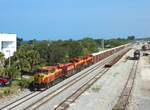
1,95
96,89
24,83
12,71
15,83
7,91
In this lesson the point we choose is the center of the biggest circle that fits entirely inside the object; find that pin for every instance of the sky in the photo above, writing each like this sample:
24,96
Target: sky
75,19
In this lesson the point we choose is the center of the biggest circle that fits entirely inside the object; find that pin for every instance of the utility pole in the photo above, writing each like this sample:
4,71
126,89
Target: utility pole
102,43
9,57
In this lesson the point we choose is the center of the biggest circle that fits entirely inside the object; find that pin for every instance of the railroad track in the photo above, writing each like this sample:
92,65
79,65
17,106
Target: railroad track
15,104
70,99
66,85
32,94
75,81
126,93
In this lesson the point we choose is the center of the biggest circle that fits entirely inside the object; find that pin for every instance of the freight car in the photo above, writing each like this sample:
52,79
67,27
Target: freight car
103,54
45,76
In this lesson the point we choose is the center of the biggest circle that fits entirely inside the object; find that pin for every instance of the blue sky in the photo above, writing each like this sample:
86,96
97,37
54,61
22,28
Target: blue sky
65,19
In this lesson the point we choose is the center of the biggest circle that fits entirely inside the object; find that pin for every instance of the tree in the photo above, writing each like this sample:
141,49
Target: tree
19,41
2,62
26,58
21,53
12,71
98,41
89,45
33,57
43,48
73,48
22,65
2,59
57,54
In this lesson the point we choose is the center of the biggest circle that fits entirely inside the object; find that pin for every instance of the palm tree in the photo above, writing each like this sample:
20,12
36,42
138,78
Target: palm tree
22,65
12,71
2,62
33,58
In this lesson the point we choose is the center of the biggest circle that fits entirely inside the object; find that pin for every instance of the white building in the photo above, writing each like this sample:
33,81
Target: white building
8,44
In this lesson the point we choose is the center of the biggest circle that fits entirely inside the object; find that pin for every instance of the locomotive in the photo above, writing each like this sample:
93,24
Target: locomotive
45,76
136,54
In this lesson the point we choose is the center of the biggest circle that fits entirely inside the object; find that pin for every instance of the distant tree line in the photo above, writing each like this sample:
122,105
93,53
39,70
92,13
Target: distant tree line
32,54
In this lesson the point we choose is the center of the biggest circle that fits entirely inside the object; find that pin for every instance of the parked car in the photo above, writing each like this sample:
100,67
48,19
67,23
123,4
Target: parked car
4,80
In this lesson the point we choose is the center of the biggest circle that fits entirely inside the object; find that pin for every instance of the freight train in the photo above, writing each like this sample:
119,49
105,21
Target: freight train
45,76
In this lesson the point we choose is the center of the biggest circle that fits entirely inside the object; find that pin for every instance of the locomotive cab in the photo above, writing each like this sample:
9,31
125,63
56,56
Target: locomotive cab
39,77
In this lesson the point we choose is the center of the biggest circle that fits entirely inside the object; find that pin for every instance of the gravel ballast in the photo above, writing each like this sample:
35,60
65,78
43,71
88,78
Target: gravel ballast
103,95
141,94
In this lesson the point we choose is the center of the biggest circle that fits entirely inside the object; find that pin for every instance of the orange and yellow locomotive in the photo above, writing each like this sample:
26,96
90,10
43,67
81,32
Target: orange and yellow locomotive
45,76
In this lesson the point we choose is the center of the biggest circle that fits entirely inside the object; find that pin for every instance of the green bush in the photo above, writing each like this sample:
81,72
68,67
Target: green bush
7,91
96,89
24,83
15,83
12,71
1,95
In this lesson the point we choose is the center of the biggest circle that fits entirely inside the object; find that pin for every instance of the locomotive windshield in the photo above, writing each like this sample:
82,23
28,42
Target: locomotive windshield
137,52
39,71
45,71
42,71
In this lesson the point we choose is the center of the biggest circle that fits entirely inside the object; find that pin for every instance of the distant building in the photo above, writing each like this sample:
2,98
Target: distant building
8,44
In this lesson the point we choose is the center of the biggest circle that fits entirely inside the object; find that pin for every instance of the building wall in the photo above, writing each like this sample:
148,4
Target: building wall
8,44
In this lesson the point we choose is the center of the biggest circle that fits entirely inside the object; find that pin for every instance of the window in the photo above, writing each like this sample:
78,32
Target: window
38,71
7,44
45,71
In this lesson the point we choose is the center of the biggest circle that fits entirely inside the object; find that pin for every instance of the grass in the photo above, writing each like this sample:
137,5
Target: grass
17,85
96,89
6,91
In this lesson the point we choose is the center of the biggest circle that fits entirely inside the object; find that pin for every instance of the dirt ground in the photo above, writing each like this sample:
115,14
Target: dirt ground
145,76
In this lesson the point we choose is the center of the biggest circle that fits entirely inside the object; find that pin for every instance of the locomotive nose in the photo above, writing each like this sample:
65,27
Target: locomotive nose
38,78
